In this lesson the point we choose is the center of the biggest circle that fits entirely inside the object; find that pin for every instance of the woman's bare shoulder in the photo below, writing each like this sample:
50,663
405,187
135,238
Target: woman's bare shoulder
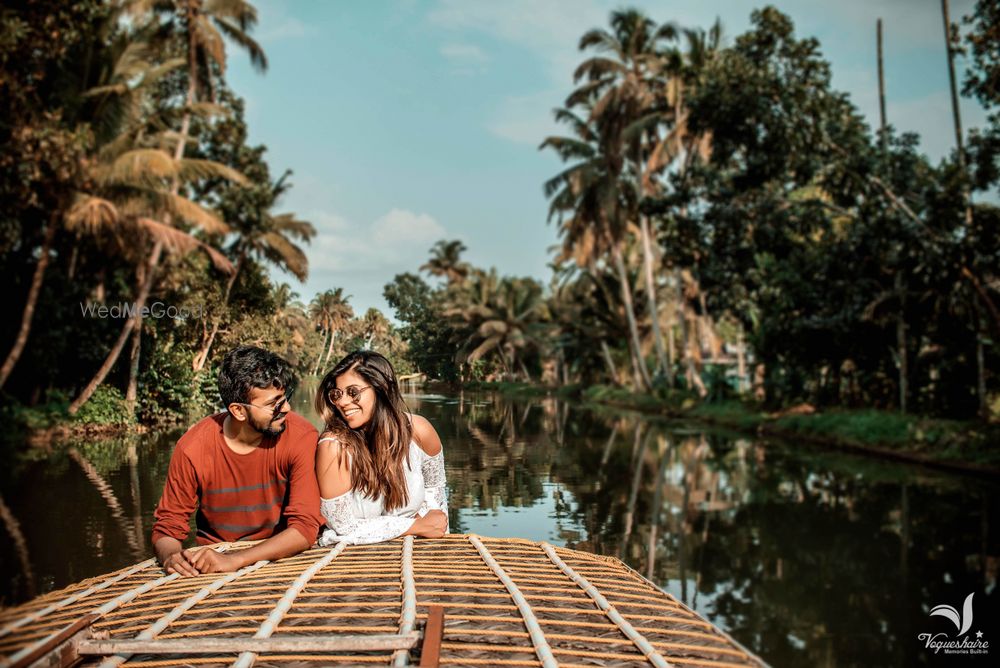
330,442
425,435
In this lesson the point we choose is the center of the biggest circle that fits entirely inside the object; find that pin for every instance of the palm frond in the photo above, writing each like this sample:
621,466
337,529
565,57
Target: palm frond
178,242
92,215
193,214
293,227
257,57
191,169
286,255
600,40
210,41
598,68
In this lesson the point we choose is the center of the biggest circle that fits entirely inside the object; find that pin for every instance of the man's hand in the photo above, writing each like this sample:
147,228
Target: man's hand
431,525
207,560
180,562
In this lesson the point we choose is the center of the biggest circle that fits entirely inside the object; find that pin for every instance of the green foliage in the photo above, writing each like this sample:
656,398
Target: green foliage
421,310
107,408
169,388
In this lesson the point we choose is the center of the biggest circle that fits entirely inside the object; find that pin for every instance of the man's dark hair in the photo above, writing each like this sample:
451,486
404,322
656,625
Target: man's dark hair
247,367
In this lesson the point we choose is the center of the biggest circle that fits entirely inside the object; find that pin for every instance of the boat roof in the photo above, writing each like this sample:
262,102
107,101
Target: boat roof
460,600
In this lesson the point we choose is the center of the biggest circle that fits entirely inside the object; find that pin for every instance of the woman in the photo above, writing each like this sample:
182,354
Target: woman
380,469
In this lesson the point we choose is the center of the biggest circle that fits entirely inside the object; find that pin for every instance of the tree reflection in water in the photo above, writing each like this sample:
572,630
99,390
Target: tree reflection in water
805,556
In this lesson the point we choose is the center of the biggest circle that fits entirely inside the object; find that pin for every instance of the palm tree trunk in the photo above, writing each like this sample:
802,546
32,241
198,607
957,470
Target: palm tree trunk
648,258
654,311
688,342
319,358
135,321
29,307
202,357
904,382
640,365
741,361
132,392
612,369
333,337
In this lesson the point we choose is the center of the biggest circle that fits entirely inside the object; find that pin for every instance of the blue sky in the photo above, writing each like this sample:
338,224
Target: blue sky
411,121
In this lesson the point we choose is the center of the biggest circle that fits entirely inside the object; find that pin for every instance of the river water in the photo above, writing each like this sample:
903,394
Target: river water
807,557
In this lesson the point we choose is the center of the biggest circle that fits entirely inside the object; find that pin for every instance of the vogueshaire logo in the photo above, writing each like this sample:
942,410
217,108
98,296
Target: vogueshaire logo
962,642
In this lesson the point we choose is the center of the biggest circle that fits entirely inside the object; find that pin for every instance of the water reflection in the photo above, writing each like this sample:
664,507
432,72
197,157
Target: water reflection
805,556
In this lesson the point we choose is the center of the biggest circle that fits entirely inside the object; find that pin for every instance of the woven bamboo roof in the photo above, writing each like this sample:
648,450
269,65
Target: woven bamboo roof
461,600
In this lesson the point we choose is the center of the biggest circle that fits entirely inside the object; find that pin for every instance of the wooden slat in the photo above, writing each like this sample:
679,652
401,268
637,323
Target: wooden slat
430,651
357,643
52,644
166,620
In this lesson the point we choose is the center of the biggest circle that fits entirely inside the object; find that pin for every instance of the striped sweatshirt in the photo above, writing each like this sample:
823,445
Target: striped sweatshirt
241,497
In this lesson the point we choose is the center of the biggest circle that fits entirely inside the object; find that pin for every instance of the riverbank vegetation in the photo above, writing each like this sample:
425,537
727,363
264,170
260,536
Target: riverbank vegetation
729,227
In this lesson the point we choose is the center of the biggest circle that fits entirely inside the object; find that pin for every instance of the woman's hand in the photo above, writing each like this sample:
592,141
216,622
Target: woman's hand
431,525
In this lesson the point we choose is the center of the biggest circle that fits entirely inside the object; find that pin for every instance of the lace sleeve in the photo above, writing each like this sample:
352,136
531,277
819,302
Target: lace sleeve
344,527
435,484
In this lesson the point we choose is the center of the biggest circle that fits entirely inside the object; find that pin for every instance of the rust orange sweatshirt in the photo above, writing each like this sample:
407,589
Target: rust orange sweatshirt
241,497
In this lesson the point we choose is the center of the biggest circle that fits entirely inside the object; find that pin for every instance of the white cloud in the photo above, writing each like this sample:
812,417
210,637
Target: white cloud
344,246
550,29
400,230
464,53
362,257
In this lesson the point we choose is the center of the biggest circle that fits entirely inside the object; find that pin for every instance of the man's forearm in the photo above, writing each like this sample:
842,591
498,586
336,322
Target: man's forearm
285,544
166,546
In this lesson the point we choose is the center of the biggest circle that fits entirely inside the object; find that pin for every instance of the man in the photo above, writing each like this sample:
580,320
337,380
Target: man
249,471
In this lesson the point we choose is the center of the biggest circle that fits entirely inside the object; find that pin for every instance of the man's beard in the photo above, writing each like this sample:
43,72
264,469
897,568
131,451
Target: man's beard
266,429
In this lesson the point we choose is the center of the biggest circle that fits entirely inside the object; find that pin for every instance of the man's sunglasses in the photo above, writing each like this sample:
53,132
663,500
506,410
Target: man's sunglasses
276,407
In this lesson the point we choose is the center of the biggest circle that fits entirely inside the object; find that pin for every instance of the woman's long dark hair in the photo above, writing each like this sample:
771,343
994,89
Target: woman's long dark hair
379,448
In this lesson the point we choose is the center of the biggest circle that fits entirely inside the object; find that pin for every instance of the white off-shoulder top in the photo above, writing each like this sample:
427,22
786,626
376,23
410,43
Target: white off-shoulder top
357,519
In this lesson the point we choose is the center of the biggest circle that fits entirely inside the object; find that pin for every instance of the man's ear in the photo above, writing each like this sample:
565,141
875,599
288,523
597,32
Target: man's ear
238,412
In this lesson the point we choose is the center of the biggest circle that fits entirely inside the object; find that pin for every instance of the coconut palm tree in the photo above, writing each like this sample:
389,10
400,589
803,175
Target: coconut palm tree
503,316
375,326
132,197
320,314
591,208
446,261
106,94
340,314
264,238
200,26
329,311
624,92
